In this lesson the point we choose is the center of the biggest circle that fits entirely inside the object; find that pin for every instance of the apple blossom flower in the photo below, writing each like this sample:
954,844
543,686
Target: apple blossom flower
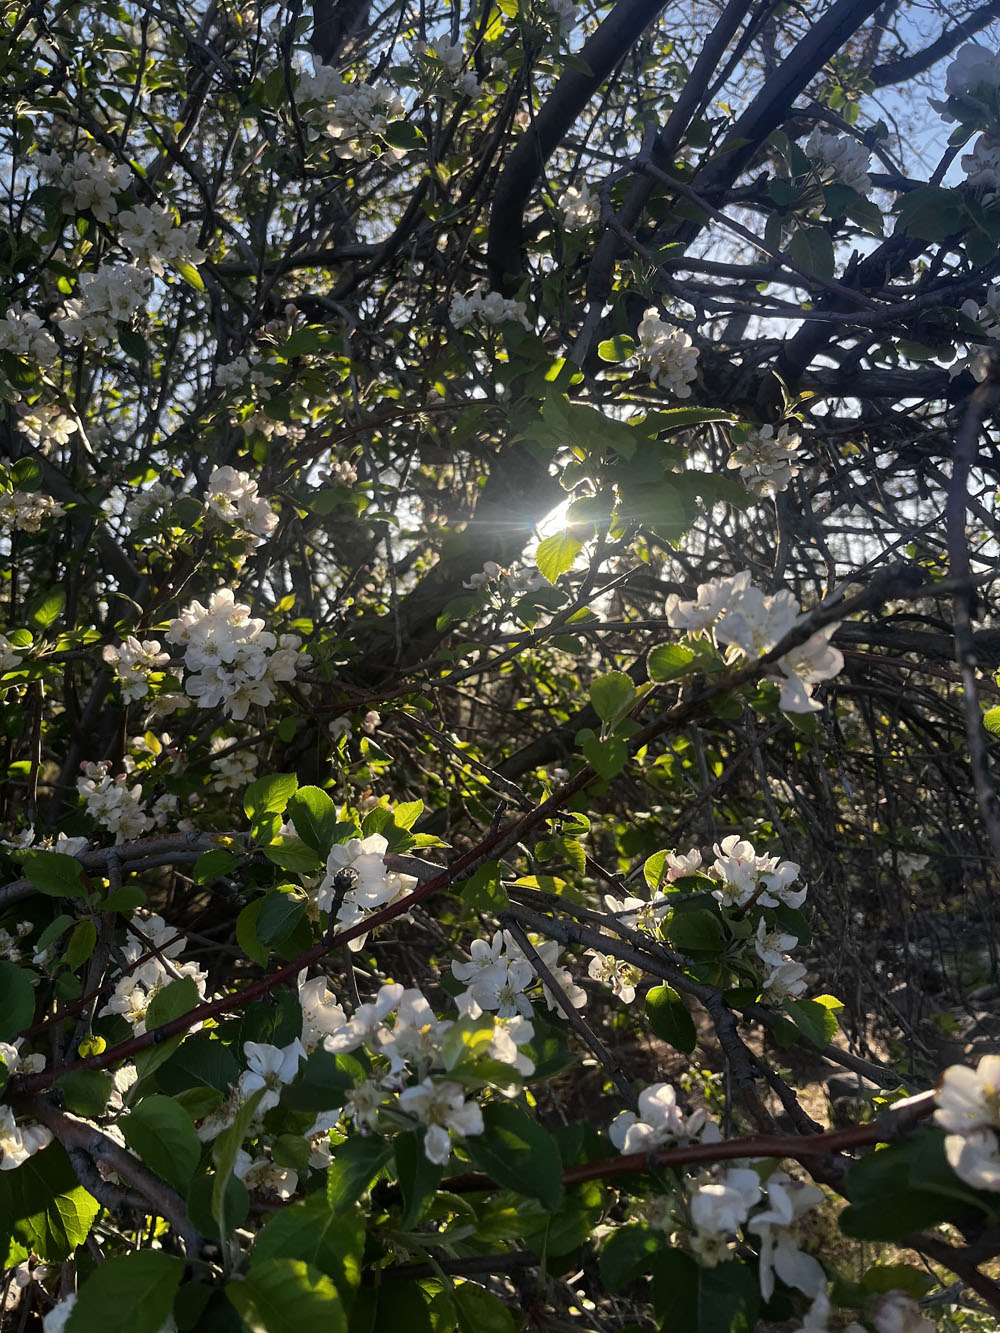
840,158
669,353
443,1109
270,1068
660,1121
776,1227
766,461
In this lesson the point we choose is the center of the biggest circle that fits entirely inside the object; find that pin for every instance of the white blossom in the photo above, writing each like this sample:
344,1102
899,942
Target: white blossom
443,1109
611,971
722,1206
230,657
105,298
26,511
112,804
897,1312
840,158
767,461
982,169
19,1142
232,497
9,656
321,1014
660,1121
371,885
23,334
776,1227
352,115
579,207
90,180
232,765
133,662
669,353
156,238
485,307
270,1068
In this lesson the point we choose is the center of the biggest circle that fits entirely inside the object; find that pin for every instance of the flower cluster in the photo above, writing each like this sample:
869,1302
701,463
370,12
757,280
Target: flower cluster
26,511
356,882
968,1108
498,975
23,334
737,613
112,804
409,1058
504,584
46,424
231,659
134,662
670,354
108,296
711,1208
353,115
579,207
987,316
973,88
232,767
767,461
451,56
486,308
748,888
19,1142
90,181
150,961
982,167
840,158
232,497
156,239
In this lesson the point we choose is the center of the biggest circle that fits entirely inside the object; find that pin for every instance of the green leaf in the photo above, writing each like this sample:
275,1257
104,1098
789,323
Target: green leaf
479,1311
284,1295
164,1137
331,1240
931,214
406,814
279,916
518,1154
612,695
696,931
607,758
54,873
315,818
812,249
270,795
669,1018
692,1299
402,134
321,1084
483,890
814,1019
46,607
49,1210
418,1178
86,1091
246,932
619,348
356,1163
26,474
212,865
627,1254
128,1293
555,555
17,1000
80,944
668,661
991,720
905,1187
224,1151
190,275
294,855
